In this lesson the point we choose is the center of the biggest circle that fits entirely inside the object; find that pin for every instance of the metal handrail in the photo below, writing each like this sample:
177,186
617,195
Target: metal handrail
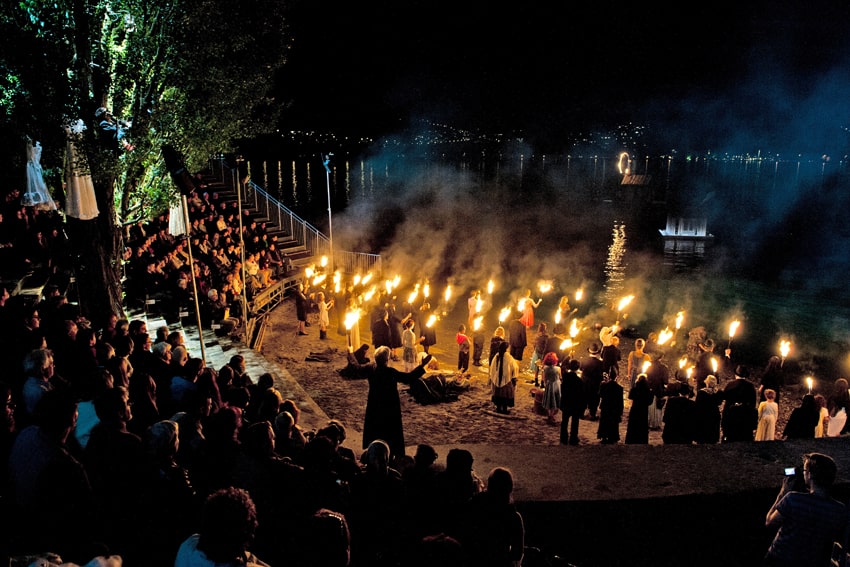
302,232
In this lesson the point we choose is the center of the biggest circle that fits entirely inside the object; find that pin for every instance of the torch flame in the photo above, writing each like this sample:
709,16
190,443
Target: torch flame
557,316
714,364
579,294
520,305
366,278
477,322
544,286
490,285
357,279
690,371
809,383
351,317
683,361
784,348
566,343
665,335
448,294
324,261
680,318
733,328
479,305
412,297
625,302
504,314
431,320
370,294
573,328
646,365
426,290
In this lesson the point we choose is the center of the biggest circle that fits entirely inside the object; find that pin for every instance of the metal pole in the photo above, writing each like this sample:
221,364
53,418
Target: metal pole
242,250
194,280
326,162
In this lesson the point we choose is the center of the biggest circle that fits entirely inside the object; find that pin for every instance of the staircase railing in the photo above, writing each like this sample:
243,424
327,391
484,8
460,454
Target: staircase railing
315,243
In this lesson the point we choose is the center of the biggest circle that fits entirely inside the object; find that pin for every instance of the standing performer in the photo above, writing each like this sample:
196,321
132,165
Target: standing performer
527,306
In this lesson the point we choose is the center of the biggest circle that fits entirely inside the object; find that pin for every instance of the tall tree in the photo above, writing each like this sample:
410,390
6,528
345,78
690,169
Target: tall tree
193,74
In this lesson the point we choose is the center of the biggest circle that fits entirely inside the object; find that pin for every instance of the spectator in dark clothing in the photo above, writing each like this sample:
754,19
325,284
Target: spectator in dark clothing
169,505
740,416
679,416
708,402
52,501
493,533
808,518
591,374
114,461
573,402
803,419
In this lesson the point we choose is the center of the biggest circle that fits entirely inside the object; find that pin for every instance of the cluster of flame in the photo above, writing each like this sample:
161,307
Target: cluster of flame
365,291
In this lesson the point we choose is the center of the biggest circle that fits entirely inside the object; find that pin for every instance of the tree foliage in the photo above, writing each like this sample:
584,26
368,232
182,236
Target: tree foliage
195,74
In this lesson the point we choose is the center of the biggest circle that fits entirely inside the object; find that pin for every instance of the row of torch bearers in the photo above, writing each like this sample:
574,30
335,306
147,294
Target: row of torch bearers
366,290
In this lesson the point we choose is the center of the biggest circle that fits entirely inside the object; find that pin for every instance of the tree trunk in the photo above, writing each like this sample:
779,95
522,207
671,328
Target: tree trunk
97,246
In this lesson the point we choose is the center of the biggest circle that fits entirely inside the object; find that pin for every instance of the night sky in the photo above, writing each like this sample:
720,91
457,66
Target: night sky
709,72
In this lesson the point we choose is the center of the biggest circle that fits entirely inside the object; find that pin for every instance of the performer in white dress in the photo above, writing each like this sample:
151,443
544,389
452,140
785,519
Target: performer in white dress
80,201
36,194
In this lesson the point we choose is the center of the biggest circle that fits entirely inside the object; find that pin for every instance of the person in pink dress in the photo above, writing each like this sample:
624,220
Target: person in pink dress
527,306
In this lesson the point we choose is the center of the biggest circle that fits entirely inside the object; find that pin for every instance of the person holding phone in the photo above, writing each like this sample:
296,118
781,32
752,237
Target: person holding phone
807,518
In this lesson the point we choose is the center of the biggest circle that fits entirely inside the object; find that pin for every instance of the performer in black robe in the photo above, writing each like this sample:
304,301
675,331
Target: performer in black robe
383,407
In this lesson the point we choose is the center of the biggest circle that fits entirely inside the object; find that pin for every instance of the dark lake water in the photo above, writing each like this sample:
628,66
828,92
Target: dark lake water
776,259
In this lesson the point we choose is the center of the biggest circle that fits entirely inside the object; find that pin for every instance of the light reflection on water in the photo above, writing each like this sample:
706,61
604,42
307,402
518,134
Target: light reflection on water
615,267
